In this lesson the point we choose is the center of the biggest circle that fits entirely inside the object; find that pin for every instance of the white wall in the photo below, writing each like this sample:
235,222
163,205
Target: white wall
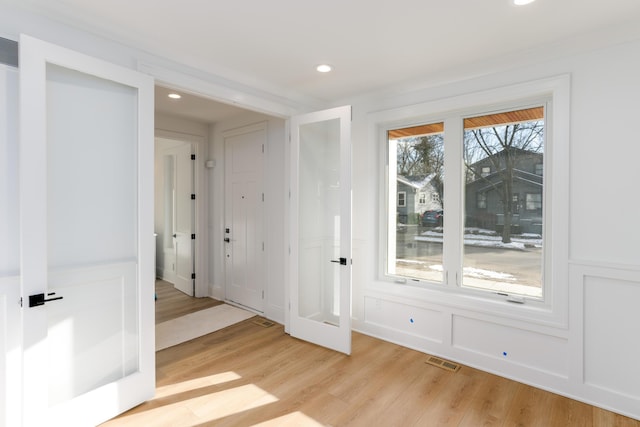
594,360
275,171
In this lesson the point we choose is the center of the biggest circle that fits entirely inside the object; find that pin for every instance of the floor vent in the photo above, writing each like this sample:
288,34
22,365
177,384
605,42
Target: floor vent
263,322
444,364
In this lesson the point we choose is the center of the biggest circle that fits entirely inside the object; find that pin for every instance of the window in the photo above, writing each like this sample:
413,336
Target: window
402,199
501,246
539,169
481,200
416,156
533,201
467,273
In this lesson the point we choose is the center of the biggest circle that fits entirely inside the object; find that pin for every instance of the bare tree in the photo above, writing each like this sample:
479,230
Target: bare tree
422,156
502,146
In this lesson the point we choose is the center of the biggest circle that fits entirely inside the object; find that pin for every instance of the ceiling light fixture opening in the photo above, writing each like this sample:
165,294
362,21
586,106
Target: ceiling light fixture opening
522,2
174,96
324,68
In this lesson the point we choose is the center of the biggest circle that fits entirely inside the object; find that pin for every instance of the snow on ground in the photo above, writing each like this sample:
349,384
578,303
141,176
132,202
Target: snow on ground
486,239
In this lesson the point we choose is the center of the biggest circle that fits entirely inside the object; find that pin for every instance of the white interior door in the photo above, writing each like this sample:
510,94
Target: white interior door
86,203
244,216
320,266
183,218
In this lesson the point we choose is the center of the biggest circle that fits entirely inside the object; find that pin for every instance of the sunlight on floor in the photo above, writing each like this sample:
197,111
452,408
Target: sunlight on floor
184,386
294,419
189,403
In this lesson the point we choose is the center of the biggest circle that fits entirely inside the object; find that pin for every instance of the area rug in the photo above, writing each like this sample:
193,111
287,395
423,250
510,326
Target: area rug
194,325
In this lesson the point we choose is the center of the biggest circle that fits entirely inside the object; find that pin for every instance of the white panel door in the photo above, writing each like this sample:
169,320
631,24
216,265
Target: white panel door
86,206
320,219
183,218
244,216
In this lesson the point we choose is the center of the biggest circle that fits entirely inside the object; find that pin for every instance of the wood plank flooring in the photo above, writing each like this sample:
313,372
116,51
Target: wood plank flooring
172,303
247,375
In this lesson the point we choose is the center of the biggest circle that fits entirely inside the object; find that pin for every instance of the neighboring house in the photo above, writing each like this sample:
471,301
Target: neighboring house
483,199
415,195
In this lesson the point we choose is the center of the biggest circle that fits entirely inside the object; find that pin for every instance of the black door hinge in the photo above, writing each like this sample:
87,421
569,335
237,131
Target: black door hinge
193,197
193,157
193,275
193,237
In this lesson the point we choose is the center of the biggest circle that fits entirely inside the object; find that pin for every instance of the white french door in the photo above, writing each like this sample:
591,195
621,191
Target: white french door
87,245
320,218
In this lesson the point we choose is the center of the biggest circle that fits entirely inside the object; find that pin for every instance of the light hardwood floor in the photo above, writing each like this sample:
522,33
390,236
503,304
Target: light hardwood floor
171,303
248,375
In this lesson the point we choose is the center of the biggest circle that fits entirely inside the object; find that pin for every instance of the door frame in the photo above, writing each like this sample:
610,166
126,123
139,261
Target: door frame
201,149
186,79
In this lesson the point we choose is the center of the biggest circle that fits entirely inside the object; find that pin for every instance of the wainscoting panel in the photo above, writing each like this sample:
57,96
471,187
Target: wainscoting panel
612,334
415,321
533,350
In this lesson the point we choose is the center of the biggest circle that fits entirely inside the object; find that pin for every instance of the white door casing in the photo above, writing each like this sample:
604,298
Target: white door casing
86,206
320,228
244,216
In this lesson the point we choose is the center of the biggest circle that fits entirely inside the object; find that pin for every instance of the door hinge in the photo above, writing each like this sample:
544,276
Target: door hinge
193,197
193,275
263,197
193,237
20,301
193,157
263,148
262,294
262,246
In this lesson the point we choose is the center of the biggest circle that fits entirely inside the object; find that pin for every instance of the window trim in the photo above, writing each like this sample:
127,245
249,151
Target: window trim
553,310
404,199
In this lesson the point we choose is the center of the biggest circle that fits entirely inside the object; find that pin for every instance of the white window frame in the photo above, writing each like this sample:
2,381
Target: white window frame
402,203
555,92
536,202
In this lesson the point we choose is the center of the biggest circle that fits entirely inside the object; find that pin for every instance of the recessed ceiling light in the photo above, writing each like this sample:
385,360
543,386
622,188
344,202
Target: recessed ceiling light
174,96
522,2
324,68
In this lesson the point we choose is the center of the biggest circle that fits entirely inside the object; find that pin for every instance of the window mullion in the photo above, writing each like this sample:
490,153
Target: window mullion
453,202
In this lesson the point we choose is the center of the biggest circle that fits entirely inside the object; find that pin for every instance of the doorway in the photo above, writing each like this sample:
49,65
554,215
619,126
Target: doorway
175,208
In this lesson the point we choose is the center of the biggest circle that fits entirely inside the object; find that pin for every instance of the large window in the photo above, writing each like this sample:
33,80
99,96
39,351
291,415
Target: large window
497,242
502,242
416,156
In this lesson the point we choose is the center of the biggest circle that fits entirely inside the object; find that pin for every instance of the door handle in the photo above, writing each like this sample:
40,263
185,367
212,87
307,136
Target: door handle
174,236
226,239
341,261
39,299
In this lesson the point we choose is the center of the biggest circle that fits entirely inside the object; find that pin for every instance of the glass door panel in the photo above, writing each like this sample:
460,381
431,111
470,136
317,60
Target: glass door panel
320,270
319,227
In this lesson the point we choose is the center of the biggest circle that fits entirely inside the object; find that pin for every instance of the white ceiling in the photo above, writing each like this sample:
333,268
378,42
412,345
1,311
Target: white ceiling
275,45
